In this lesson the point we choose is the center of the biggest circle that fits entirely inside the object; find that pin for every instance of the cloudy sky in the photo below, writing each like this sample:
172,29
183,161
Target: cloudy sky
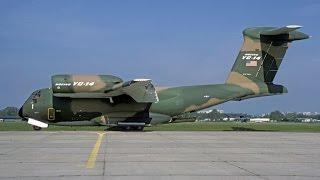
174,43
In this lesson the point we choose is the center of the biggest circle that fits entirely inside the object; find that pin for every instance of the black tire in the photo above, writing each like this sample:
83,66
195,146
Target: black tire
36,128
139,128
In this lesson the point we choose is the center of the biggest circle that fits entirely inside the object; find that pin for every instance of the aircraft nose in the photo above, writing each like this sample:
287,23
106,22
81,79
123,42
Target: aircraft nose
21,113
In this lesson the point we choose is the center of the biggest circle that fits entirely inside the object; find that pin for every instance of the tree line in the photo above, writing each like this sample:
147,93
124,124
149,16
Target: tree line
9,112
292,116
215,115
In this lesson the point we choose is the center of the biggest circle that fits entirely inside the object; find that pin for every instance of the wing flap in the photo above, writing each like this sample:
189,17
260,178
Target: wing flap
141,90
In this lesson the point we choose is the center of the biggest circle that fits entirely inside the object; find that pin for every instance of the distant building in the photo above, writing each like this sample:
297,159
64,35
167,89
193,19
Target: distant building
229,119
9,118
260,120
307,113
306,120
220,111
205,111
210,111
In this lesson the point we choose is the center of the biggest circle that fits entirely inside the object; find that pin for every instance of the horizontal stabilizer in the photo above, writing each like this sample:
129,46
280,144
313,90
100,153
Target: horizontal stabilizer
287,33
282,30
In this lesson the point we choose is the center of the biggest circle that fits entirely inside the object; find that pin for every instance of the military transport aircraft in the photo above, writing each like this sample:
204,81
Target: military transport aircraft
108,100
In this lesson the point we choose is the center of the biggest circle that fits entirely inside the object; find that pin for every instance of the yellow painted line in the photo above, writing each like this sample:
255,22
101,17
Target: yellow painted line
93,156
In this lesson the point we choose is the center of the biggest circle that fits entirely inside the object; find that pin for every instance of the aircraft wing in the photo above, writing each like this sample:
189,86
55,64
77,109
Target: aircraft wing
141,90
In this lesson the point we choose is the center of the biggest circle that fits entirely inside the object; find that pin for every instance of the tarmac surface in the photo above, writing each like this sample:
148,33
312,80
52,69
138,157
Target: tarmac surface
159,155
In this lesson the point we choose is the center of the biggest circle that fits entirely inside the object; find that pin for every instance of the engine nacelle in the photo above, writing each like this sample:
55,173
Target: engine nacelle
83,83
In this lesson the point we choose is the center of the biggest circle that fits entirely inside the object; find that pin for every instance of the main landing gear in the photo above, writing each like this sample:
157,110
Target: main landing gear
133,128
125,128
36,128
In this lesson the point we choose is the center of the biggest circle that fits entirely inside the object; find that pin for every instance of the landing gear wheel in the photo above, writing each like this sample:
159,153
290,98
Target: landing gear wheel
36,128
139,128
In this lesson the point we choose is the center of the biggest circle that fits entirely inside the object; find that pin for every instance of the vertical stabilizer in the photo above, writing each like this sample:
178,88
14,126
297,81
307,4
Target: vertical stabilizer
260,57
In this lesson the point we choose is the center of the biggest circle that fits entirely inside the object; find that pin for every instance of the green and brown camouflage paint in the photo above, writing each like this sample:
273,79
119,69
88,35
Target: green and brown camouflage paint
106,99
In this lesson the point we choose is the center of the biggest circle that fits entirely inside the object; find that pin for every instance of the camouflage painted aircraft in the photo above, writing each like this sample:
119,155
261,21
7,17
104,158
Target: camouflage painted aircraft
108,100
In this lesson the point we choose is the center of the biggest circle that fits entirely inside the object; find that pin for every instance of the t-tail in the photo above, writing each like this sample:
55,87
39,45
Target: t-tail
260,57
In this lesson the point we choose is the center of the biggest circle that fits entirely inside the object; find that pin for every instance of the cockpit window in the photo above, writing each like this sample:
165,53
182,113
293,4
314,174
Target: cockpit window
35,96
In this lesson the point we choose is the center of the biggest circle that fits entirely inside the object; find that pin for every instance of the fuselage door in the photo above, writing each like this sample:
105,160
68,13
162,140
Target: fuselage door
51,114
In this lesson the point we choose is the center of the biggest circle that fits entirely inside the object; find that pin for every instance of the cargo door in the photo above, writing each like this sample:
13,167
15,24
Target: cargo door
51,114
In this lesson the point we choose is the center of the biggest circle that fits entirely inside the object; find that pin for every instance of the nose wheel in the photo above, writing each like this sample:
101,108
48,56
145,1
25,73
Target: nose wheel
36,128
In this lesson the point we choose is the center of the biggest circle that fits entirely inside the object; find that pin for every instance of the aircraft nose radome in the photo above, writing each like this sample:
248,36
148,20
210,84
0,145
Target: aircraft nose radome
20,113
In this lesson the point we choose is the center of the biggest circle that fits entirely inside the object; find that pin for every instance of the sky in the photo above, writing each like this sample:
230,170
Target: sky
172,42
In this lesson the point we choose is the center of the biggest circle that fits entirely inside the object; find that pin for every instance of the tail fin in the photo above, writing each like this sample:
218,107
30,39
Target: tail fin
260,57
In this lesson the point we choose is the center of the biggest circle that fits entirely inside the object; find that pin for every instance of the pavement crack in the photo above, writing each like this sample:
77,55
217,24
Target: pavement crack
105,156
250,172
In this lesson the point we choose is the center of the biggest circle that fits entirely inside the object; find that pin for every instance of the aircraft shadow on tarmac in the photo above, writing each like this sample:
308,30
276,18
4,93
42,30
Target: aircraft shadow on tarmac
117,128
232,129
246,129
